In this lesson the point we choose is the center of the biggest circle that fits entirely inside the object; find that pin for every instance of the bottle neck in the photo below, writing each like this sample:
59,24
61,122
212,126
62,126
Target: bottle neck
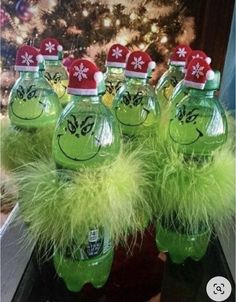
136,81
115,70
90,98
52,62
29,74
175,68
202,93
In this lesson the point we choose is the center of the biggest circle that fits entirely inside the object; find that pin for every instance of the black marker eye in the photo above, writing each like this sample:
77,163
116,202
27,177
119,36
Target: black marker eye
31,94
20,92
72,125
137,98
48,76
181,113
87,128
118,86
109,86
126,98
57,78
191,118
173,81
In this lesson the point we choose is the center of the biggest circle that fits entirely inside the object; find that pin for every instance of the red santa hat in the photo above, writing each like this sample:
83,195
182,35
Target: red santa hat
197,54
84,77
198,73
139,64
179,55
27,59
117,56
49,49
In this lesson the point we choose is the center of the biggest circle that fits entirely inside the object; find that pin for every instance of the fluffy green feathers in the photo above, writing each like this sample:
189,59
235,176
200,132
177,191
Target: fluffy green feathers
59,207
19,147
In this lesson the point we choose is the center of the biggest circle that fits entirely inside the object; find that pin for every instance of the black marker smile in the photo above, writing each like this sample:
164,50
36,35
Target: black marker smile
133,125
200,134
77,159
27,118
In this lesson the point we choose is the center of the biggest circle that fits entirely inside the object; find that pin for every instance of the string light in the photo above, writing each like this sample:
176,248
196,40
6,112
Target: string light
164,39
117,22
133,16
107,22
154,28
141,46
85,13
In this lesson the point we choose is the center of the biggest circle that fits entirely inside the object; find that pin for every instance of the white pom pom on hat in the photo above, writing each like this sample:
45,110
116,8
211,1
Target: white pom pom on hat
151,65
39,58
59,48
208,60
98,76
210,75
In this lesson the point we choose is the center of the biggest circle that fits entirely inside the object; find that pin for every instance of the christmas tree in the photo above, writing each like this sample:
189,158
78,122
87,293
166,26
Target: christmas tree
89,28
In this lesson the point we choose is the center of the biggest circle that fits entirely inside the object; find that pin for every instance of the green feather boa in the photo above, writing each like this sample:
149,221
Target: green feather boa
60,205
19,147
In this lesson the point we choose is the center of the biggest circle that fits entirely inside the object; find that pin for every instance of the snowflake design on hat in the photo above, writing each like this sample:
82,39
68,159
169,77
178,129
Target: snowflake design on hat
197,70
49,47
80,72
181,52
27,59
137,62
117,52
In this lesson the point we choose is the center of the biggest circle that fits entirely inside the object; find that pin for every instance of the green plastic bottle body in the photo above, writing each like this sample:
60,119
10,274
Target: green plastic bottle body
182,246
180,91
86,134
57,76
88,264
114,79
32,102
136,108
198,124
167,83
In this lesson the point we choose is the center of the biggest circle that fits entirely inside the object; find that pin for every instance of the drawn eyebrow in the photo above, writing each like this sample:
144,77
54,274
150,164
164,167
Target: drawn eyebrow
48,76
85,121
75,120
191,112
56,75
30,88
22,89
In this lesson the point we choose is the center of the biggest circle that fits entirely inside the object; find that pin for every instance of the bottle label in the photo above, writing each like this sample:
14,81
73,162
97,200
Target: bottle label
99,243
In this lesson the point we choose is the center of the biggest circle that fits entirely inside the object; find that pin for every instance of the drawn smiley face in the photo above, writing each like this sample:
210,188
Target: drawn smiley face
76,139
57,83
184,127
132,110
26,104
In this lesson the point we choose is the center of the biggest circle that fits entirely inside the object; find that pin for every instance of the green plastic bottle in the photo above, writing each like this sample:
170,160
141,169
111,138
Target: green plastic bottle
55,72
114,77
32,101
197,127
88,264
135,106
198,123
86,136
181,246
173,75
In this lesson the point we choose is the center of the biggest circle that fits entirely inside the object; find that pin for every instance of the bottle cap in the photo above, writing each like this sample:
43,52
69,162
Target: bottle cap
117,56
27,59
50,49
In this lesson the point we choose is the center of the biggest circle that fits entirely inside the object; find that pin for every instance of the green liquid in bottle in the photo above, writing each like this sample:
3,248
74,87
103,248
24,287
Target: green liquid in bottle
90,264
32,102
57,76
136,109
114,79
198,124
167,83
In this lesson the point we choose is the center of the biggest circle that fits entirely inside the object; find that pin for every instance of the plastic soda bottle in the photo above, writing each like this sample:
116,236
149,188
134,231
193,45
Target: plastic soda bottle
32,101
86,135
114,77
180,91
173,75
55,72
197,127
88,264
135,106
198,123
